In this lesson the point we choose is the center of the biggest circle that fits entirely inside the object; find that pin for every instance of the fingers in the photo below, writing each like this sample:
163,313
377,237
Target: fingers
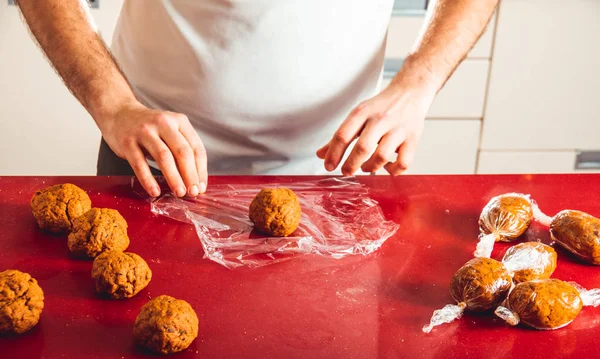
182,153
406,154
345,135
199,153
161,153
321,152
385,151
169,139
138,163
366,144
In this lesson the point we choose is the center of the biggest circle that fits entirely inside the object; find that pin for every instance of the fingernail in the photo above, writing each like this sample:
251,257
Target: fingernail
202,187
154,192
329,167
193,191
180,192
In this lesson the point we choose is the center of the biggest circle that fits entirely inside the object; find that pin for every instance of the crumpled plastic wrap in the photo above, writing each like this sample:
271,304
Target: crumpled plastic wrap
448,314
530,261
546,304
504,219
339,218
480,285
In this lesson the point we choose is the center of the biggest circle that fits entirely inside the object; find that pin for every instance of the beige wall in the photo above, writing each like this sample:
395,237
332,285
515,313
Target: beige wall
43,129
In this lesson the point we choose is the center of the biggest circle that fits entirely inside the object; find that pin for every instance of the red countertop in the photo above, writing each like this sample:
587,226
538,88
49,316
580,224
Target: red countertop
309,307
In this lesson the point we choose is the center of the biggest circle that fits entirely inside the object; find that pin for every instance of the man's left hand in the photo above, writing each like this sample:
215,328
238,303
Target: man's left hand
387,127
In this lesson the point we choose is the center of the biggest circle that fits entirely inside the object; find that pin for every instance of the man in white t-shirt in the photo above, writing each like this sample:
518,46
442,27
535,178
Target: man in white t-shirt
193,87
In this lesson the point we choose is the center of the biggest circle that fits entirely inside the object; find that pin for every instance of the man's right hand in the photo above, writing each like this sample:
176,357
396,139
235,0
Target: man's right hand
135,132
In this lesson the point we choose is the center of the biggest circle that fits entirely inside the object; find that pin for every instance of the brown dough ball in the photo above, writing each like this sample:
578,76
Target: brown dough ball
166,325
481,284
508,215
545,303
579,233
275,211
529,261
21,302
57,206
120,274
98,230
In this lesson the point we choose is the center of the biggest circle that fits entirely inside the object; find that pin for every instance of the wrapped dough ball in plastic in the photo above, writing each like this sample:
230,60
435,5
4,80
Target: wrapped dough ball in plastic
479,285
579,233
546,304
504,219
529,261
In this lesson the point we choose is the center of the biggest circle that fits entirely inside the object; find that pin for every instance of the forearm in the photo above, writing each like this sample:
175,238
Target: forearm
67,35
452,28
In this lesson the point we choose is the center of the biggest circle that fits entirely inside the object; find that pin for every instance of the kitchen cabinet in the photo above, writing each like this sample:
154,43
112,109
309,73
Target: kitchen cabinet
543,90
404,29
531,162
463,96
441,151
526,162
447,147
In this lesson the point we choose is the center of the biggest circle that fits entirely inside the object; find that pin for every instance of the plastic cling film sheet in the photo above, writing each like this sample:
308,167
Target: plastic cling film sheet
339,218
590,297
448,314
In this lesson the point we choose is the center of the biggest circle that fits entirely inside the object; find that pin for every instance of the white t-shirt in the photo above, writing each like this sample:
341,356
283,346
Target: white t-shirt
264,82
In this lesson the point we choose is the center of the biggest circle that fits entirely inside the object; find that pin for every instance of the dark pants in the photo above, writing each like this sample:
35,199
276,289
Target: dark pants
109,164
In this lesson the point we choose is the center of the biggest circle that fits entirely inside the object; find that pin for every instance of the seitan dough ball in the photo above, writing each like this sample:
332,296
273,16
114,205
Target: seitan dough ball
543,304
529,261
579,233
508,216
120,275
166,325
98,230
21,302
57,206
481,284
275,211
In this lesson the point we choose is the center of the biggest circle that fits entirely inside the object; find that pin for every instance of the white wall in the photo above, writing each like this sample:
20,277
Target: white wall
43,129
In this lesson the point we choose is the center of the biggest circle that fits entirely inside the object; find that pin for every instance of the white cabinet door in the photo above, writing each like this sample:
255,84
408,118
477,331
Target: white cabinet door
528,162
543,91
43,129
403,31
463,96
106,17
447,147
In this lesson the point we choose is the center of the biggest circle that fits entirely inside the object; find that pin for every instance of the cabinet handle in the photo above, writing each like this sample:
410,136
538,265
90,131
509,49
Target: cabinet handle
391,67
410,7
94,4
587,160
